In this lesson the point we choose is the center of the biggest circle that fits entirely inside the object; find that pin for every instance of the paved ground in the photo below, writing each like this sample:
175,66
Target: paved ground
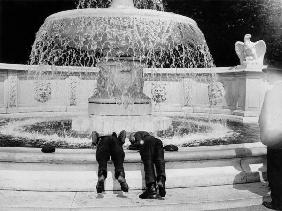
30,167
76,170
226,197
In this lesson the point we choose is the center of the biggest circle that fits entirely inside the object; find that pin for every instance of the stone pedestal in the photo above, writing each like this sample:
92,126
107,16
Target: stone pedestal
120,90
108,124
114,109
244,90
119,102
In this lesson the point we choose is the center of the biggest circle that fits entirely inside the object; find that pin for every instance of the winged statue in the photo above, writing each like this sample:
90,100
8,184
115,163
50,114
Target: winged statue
250,53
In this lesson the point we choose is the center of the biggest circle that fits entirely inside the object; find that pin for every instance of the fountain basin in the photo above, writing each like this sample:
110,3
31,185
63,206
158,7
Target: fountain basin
124,12
91,34
108,124
183,132
130,31
122,29
113,109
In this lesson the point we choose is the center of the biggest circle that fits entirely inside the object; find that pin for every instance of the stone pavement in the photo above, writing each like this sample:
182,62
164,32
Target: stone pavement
29,169
226,197
202,178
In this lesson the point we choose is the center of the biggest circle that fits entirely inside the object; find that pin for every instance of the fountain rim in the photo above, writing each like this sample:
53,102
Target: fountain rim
116,12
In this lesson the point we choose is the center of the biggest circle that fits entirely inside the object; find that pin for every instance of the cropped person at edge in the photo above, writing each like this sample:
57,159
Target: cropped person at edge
270,123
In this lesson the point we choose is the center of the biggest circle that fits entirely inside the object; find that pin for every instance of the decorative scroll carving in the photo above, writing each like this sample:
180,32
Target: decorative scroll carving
216,93
159,93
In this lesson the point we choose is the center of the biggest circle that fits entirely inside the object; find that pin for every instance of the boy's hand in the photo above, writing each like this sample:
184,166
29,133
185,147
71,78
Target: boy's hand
93,146
132,139
121,137
94,138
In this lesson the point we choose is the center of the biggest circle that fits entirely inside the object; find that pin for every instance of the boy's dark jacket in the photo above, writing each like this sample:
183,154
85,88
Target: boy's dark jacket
136,139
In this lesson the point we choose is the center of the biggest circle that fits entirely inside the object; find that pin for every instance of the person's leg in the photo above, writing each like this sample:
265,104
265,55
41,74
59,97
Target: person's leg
102,157
160,166
275,176
268,170
117,155
147,155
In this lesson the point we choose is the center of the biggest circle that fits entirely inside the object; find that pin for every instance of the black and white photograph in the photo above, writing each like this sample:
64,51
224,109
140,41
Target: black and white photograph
140,105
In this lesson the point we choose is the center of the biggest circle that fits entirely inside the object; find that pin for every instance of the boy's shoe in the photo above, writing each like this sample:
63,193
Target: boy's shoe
123,184
161,185
150,192
100,187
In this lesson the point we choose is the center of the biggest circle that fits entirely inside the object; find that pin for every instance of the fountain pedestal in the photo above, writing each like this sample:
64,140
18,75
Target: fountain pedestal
108,124
120,90
119,103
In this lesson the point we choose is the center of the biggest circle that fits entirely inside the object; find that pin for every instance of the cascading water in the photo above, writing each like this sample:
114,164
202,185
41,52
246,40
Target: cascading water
140,4
121,40
83,37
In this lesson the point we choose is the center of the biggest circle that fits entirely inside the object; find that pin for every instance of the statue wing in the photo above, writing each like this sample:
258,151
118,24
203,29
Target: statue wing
260,47
239,48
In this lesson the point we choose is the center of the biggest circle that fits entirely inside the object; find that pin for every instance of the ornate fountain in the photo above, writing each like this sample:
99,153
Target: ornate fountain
121,41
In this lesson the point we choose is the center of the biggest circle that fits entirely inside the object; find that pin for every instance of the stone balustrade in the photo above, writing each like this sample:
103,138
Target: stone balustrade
25,88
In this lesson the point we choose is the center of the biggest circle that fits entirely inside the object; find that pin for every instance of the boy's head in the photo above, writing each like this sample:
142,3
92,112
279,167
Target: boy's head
132,138
135,138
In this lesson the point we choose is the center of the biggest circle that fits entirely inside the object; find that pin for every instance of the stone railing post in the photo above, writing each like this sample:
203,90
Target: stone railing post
11,90
244,90
3,90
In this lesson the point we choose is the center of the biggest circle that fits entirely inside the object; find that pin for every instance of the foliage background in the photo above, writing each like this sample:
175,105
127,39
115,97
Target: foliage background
226,21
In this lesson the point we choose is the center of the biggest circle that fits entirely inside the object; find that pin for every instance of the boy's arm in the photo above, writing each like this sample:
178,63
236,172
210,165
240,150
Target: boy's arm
140,135
94,138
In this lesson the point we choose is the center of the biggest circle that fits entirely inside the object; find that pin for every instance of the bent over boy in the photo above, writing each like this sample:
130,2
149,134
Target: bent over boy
110,146
152,155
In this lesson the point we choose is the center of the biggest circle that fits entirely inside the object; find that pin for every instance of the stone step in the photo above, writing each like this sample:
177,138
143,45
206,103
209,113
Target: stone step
228,197
85,156
76,170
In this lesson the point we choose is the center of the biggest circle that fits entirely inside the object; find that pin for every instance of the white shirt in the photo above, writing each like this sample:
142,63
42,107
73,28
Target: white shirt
270,120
